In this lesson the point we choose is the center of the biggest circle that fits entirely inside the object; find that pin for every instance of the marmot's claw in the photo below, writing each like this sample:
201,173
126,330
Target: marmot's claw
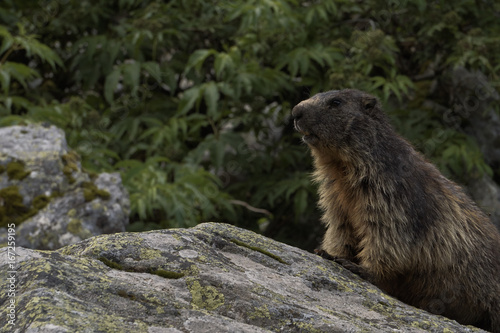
354,268
346,263
323,254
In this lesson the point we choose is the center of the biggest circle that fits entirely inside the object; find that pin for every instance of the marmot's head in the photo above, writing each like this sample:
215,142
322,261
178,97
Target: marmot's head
337,117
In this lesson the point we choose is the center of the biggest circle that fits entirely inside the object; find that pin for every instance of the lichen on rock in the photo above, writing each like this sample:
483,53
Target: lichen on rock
200,280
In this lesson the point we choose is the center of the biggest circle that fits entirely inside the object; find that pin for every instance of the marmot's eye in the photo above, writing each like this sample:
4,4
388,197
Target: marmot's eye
335,102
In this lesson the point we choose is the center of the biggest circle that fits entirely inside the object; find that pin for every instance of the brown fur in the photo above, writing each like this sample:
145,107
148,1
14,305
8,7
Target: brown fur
416,233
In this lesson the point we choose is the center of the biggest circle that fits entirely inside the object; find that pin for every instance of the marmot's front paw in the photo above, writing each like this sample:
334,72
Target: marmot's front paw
346,263
354,268
323,254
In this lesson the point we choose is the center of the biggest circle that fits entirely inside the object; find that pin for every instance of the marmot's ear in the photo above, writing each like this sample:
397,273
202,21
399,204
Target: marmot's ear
369,103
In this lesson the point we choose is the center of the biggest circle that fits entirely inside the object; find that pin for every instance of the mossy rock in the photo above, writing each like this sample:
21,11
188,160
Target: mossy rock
211,278
16,170
12,209
42,181
70,162
41,201
91,192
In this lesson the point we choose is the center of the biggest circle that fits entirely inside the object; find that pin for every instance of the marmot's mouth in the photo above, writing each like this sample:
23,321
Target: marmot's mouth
299,129
307,136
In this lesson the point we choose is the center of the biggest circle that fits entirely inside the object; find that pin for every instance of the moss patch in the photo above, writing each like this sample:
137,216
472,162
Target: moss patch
74,226
12,209
110,264
258,249
91,192
2,169
15,170
71,159
11,205
68,172
41,201
70,162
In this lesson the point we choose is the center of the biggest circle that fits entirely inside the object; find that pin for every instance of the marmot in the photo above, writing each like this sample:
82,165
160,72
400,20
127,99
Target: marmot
391,213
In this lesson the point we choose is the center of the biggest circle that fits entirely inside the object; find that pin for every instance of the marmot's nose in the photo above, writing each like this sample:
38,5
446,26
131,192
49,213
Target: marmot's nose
298,111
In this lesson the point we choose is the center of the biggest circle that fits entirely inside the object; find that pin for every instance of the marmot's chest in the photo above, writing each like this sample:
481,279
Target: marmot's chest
367,210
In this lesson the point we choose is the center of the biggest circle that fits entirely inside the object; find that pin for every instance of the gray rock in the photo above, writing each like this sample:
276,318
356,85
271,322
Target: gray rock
40,149
78,207
486,193
30,142
211,278
70,218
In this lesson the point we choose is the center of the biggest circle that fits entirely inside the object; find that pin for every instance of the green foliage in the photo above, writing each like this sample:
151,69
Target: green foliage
177,195
190,99
15,76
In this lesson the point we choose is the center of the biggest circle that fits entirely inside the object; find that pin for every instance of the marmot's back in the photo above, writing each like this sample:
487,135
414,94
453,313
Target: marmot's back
386,208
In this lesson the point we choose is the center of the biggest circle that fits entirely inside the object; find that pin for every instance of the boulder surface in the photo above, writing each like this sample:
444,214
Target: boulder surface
47,195
210,278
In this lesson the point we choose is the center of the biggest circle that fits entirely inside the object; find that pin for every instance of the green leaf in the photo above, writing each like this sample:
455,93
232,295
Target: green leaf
4,80
20,72
188,100
211,94
131,75
33,46
7,40
421,5
217,152
197,58
153,69
310,16
300,202
110,85
223,61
